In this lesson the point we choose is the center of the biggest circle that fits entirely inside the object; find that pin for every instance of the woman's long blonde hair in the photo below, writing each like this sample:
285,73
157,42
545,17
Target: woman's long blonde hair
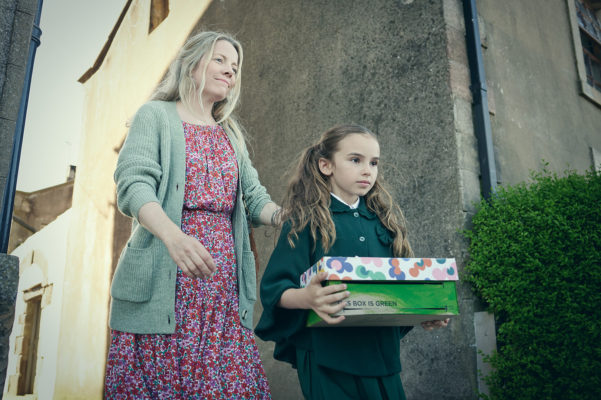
178,83
307,199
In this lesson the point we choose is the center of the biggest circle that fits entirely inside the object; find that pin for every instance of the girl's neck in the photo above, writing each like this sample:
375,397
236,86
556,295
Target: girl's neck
352,206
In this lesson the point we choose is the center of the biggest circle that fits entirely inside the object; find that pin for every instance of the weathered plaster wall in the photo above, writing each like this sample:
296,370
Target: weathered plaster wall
310,65
538,112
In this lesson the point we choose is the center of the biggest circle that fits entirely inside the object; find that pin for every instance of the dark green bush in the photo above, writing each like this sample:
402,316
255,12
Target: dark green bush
535,259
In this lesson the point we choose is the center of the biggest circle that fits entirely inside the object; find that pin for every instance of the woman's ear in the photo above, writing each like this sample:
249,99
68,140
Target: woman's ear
325,166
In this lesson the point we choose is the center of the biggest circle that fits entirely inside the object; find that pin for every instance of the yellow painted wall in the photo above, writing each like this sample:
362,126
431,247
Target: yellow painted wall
133,66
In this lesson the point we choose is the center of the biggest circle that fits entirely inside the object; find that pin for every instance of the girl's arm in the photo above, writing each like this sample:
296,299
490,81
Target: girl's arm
187,252
325,301
257,201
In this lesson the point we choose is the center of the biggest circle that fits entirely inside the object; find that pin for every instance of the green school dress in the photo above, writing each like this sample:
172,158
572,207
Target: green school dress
334,363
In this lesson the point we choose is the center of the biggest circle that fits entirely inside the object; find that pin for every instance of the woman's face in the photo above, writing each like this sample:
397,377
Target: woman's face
220,75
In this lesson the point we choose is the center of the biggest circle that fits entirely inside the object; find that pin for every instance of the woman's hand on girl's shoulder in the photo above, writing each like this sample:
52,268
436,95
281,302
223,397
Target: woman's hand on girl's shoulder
326,300
437,323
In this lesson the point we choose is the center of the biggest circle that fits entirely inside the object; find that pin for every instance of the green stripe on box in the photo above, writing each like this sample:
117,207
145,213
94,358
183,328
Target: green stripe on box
394,303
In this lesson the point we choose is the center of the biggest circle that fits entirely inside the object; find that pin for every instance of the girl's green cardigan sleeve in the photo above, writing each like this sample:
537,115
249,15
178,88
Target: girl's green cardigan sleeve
286,327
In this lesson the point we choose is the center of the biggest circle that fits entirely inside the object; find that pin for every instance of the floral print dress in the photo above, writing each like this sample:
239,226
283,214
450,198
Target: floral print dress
210,355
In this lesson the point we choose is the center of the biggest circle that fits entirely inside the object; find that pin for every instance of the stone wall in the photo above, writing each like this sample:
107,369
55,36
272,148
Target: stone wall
383,64
538,113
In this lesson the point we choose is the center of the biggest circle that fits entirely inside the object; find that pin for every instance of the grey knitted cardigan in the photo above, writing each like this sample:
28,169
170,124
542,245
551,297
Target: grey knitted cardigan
152,168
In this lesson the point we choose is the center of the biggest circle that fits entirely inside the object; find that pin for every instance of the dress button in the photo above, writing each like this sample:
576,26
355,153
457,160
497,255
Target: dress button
177,186
361,239
244,314
355,214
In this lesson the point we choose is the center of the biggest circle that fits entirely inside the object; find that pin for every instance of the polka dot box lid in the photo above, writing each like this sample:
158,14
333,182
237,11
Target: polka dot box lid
383,269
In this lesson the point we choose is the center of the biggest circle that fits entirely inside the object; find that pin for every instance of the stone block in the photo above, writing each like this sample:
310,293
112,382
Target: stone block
486,343
596,159
21,38
462,113
456,48
47,295
6,28
469,184
4,167
8,5
7,129
28,6
2,76
490,95
467,152
453,14
466,305
19,344
9,278
2,181
459,75
482,32
7,314
10,98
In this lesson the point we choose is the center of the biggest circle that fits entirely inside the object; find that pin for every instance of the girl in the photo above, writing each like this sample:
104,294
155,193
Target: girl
184,289
334,205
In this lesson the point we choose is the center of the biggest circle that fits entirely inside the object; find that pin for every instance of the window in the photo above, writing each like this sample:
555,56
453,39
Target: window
590,36
159,9
585,17
592,60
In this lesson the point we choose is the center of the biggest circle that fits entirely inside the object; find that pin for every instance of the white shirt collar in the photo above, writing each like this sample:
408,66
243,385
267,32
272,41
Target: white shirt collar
352,206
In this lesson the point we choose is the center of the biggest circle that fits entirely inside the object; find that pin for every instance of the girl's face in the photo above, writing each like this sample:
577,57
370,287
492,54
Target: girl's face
353,169
220,75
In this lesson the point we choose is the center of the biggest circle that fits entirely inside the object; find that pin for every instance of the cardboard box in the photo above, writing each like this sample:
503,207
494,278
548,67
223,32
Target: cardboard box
390,291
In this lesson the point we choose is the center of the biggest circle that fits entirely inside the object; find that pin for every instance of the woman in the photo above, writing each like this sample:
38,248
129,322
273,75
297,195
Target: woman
184,289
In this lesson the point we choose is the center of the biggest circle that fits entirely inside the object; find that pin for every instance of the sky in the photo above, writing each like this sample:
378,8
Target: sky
73,33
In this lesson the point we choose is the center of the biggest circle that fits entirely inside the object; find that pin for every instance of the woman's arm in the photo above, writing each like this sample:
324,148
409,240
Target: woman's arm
262,210
270,214
187,252
138,172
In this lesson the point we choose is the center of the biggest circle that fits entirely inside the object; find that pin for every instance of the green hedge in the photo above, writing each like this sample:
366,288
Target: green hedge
535,259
